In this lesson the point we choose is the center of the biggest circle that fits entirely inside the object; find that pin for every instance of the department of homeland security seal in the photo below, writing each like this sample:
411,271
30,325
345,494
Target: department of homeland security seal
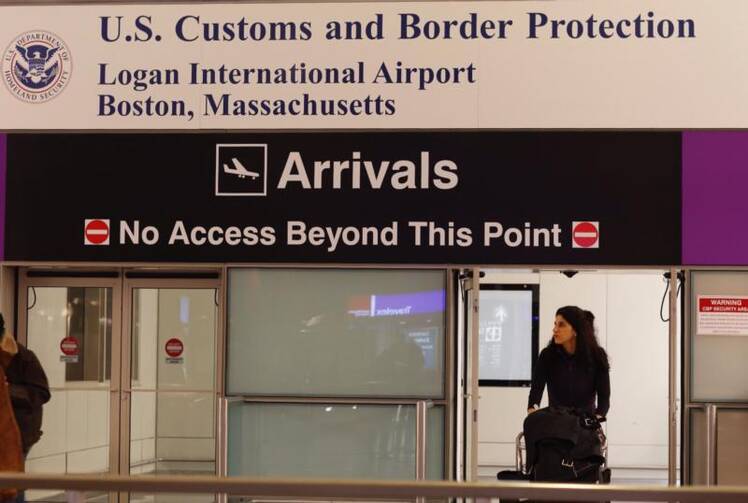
36,66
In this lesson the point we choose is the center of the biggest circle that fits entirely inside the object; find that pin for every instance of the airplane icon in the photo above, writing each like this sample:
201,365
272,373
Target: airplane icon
239,170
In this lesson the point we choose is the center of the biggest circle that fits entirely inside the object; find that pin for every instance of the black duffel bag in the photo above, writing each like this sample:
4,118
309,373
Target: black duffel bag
564,445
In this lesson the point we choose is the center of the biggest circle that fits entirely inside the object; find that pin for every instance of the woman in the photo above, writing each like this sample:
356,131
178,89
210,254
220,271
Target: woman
573,365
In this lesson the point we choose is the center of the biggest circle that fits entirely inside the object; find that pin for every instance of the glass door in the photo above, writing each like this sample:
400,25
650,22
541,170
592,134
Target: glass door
132,369
72,325
170,371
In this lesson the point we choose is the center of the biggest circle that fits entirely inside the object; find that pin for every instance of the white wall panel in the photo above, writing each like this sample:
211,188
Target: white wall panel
46,328
146,331
97,407
47,464
77,417
54,426
143,415
89,460
638,349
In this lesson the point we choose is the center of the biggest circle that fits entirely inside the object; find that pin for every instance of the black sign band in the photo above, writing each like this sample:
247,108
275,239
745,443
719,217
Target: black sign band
606,198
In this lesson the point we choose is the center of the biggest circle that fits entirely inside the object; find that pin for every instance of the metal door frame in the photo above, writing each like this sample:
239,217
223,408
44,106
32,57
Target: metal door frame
673,279
129,285
115,389
465,374
119,384
458,418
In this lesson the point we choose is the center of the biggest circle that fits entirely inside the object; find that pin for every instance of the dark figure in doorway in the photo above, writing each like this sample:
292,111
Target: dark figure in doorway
29,390
573,365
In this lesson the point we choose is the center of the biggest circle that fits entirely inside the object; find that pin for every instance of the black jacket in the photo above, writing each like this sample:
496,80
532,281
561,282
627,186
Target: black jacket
571,383
577,430
29,390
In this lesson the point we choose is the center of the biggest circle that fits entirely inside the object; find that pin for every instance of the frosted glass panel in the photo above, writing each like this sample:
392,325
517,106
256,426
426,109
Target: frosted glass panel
435,443
719,372
336,332
322,440
732,447
698,447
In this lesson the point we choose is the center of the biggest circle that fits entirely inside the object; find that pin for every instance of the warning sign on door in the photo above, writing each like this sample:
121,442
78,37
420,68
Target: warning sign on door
174,349
70,348
722,315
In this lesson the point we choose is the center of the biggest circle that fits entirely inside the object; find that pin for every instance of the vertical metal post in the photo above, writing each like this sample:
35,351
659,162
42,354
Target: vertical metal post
421,407
470,285
474,360
221,440
123,365
458,314
686,405
711,444
451,383
672,379
421,440
222,403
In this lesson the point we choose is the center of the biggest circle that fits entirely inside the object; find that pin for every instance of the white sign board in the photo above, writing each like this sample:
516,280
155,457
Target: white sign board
722,315
505,335
587,64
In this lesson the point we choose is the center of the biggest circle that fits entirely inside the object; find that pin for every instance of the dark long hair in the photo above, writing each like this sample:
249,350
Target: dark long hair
583,323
